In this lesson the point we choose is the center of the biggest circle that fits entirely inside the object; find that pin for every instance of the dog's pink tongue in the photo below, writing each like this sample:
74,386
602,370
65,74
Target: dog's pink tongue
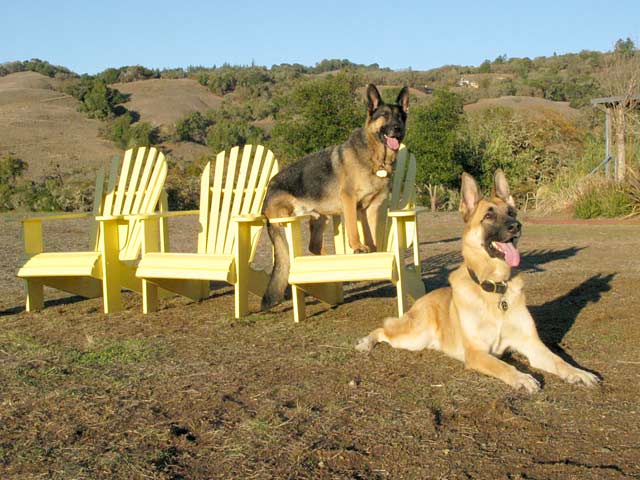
511,254
393,143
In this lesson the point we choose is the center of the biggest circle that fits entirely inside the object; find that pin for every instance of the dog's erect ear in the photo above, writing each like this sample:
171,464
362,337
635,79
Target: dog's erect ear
373,98
470,195
501,188
403,99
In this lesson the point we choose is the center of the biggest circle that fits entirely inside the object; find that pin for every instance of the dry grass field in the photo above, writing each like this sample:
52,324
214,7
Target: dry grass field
190,393
533,106
164,101
43,127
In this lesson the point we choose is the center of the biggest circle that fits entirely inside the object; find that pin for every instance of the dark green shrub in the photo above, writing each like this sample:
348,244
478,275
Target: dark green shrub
98,100
225,134
143,134
42,196
118,131
432,137
223,80
11,169
125,134
183,184
193,127
110,75
317,114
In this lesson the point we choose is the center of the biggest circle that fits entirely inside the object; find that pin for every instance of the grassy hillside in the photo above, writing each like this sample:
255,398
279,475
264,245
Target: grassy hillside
164,101
519,113
526,105
42,126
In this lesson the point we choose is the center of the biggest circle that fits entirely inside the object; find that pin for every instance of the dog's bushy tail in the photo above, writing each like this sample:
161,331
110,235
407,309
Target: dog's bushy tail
281,264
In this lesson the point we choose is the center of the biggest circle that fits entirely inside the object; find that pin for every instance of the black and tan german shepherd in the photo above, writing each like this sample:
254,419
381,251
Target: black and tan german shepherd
483,313
350,179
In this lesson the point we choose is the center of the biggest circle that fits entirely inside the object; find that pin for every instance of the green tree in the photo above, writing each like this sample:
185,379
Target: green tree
317,114
110,75
125,134
485,67
626,48
222,135
96,102
223,80
119,130
432,136
143,134
500,59
193,127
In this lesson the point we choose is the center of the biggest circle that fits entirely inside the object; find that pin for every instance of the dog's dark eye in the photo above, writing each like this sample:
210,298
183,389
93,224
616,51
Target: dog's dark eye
490,215
512,213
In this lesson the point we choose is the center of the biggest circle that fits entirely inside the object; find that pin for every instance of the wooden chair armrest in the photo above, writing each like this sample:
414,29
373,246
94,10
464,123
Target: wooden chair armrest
62,216
111,218
144,216
32,230
288,219
412,212
250,219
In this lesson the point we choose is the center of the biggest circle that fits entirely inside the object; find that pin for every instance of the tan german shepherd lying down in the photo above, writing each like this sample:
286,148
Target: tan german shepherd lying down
483,313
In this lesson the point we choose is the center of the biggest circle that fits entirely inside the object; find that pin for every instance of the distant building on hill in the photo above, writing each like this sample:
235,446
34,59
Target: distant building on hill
463,82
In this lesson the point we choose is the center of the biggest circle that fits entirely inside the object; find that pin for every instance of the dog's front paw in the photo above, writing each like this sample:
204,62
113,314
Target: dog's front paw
576,376
361,249
523,380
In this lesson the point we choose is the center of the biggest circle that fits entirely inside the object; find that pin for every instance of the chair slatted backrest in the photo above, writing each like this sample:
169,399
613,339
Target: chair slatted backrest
402,197
238,187
132,187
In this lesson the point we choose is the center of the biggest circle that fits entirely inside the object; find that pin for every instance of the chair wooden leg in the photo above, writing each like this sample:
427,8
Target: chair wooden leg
299,306
111,294
403,304
35,295
241,299
111,276
149,296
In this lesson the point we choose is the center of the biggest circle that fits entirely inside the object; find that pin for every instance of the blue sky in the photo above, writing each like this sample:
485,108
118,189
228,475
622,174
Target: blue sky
88,36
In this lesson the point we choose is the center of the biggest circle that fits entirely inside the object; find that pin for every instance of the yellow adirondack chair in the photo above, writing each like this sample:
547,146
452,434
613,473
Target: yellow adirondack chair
230,223
322,276
134,185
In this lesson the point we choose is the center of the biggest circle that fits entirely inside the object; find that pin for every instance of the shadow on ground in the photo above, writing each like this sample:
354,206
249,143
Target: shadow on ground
556,317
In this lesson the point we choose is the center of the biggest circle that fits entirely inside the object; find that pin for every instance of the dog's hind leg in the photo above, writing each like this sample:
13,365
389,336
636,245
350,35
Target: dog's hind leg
280,273
365,344
403,332
316,240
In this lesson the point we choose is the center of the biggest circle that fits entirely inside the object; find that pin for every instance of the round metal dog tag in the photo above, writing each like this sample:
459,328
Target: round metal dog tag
503,305
382,173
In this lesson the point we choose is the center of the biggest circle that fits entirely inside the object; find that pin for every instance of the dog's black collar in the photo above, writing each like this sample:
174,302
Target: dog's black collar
489,285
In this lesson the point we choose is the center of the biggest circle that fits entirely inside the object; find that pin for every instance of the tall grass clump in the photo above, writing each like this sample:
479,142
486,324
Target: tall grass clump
570,183
603,198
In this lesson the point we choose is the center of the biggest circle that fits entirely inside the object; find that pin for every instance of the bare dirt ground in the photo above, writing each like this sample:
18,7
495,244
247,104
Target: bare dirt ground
190,393
43,127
